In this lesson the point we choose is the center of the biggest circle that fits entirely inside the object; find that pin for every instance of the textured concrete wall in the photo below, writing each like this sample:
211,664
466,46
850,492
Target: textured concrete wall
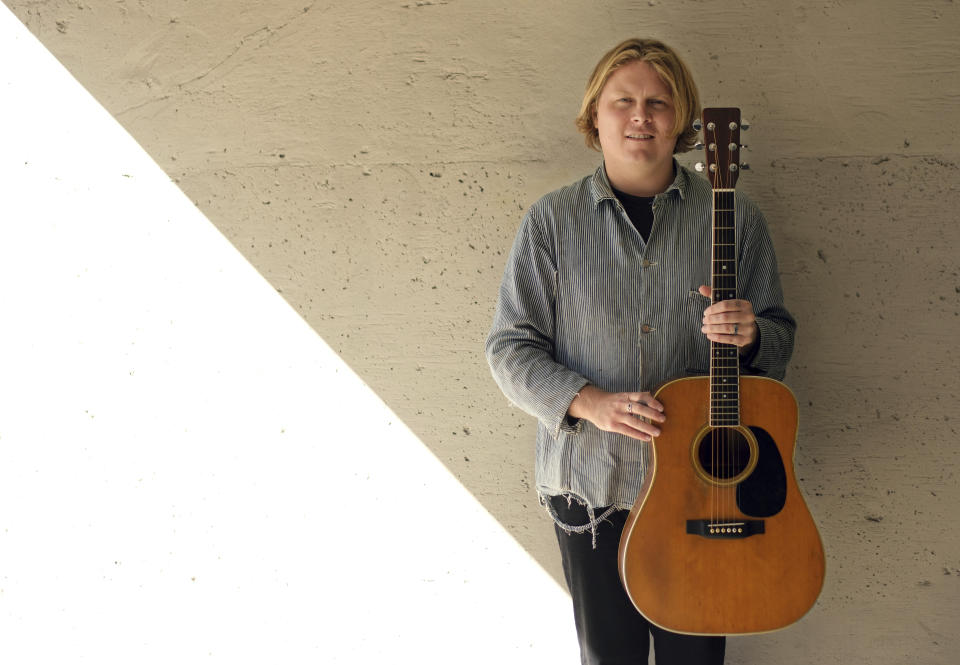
373,159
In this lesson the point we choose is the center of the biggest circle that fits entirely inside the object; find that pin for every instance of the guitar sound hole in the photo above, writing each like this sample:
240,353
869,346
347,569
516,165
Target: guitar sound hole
724,453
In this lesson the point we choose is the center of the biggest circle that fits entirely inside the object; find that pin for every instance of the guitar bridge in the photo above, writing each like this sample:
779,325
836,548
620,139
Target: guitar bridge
725,528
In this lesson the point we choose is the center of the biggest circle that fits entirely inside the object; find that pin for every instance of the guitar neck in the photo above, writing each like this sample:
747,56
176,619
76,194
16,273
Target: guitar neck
724,358
721,129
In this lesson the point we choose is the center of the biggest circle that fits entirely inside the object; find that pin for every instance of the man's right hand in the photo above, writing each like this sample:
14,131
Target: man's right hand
632,414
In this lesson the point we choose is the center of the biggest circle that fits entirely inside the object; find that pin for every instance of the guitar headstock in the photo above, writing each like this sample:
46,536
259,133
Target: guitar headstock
721,141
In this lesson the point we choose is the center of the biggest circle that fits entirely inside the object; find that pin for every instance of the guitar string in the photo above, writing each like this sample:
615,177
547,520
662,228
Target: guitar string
713,249
715,509
726,461
713,297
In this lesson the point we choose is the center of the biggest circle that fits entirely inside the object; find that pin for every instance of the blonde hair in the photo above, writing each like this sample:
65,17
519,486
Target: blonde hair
672,71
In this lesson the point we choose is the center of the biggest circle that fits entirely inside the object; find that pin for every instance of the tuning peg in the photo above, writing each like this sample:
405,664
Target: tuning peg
698,145
744,125
744,167
743,146
698,166
697,125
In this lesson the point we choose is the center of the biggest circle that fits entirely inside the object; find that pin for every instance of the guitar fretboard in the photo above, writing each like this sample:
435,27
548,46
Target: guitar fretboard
724,358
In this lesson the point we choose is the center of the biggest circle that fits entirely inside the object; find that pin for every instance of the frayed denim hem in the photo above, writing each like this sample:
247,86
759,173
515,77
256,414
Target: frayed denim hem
590,526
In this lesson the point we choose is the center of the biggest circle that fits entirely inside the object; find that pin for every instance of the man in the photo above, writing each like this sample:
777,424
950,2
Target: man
605,297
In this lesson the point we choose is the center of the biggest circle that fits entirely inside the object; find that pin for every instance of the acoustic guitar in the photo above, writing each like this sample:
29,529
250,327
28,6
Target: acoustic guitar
720,541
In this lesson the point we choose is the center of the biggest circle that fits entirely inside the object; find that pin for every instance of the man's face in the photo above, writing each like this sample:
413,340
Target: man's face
634,117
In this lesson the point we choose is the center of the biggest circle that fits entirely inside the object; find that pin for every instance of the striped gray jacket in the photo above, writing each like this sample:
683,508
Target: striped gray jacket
585,300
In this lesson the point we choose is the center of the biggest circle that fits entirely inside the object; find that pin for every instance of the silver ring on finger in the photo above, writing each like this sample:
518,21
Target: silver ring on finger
630,407
736,327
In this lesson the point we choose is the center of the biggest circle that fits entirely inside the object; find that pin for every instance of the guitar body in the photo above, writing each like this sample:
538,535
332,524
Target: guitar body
763,567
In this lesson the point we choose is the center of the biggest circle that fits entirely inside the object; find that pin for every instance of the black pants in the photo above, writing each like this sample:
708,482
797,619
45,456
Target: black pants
610,629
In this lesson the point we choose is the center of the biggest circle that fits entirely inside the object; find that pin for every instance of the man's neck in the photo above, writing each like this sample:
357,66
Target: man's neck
640,182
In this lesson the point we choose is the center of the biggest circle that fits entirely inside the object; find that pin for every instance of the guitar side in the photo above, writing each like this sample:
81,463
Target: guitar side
695,584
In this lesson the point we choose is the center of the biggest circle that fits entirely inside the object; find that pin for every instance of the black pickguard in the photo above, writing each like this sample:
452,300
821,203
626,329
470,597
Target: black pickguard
764,492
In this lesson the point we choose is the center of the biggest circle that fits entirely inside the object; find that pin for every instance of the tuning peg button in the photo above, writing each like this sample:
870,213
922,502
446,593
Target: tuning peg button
744,125
698,166
697,125
698,145
744,167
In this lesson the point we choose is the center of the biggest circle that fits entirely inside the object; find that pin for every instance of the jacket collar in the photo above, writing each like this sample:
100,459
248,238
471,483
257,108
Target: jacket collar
602,189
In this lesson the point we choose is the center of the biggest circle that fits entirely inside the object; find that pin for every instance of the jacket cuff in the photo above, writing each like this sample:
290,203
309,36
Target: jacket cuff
762,358
567,423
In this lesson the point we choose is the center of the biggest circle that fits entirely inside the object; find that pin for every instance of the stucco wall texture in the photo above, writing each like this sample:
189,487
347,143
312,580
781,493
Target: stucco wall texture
373,159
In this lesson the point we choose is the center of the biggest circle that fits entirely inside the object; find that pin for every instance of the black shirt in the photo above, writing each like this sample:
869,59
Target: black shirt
639,209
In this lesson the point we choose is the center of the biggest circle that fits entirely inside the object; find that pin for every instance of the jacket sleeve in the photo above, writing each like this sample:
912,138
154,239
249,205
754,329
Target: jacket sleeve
521,343
759,282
